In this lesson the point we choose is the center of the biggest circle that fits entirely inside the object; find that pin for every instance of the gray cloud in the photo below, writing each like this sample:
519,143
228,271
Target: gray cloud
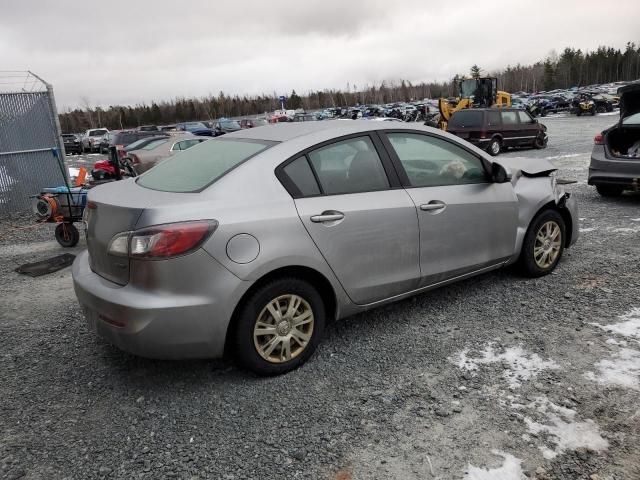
119,52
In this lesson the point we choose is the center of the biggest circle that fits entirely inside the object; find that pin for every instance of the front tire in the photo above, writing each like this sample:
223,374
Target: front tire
540,142
279,326
543,244
609,190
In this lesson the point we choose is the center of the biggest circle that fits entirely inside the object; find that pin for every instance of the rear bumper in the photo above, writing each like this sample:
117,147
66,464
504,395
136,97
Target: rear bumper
181,318
608,171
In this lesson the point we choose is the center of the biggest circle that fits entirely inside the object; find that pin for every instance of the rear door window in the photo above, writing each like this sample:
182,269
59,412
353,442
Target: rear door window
301,176
349,166
467,119
197,168
493,118
509,118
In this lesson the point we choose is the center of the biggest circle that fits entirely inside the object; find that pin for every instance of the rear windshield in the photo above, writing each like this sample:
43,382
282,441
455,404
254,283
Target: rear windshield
97,133
154,144
466,119
139,143
201,165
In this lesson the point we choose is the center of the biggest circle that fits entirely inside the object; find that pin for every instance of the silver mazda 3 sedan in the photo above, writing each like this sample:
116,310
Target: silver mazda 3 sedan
249,243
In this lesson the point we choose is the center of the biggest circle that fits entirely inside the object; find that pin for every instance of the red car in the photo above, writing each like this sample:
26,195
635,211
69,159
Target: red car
253,122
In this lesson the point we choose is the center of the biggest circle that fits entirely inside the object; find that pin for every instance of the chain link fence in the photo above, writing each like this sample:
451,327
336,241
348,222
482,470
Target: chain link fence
31,148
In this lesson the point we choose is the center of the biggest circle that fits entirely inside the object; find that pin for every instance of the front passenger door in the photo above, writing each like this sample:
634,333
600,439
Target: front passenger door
467,222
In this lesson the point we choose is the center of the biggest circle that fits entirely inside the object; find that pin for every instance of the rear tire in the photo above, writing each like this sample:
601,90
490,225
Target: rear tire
269,336
609,190
543,244
494,147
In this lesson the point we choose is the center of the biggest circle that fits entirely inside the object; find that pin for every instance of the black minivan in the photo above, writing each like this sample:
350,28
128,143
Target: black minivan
494,129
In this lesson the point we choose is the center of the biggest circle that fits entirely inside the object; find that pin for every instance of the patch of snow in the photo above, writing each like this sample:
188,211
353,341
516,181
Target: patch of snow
621,343
626,230
590,229
563,429
629,326
511,469
568,155
621,369
635,219
520,365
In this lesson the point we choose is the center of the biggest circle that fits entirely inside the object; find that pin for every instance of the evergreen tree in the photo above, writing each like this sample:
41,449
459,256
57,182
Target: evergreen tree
294,101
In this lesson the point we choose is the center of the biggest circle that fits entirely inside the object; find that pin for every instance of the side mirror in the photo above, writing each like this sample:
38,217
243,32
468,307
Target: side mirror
499,174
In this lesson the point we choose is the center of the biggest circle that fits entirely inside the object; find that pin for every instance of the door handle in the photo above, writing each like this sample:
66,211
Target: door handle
427,207
327,217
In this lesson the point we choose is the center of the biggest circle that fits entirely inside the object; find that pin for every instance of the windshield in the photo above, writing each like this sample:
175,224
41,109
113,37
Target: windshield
201,165
97,133
259,122
632,119
468,88
230,124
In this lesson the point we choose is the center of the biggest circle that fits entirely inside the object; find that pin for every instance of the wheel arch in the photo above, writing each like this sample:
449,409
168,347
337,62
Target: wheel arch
566,217
314,277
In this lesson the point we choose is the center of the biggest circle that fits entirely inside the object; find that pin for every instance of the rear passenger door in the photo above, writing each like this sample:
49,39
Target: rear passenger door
363,222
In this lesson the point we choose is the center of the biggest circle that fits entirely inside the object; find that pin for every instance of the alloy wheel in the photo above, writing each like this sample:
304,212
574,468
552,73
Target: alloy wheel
283,329
547,245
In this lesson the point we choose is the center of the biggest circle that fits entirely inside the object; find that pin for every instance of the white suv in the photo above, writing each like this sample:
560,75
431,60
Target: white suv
91,139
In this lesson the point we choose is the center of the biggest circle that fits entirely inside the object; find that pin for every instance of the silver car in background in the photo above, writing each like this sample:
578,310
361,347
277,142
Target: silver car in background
160,148
249,243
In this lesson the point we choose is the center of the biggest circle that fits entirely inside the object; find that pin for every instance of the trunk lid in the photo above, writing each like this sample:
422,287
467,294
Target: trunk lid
123,206
110,216
629,100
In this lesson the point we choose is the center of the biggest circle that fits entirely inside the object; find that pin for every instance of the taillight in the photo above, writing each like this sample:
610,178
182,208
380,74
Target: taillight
598,139
162,241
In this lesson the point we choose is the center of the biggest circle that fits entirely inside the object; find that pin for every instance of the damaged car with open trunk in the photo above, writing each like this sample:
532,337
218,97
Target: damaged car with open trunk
615,159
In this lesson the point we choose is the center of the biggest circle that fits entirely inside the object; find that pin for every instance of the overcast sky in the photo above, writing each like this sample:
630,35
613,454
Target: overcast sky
129,51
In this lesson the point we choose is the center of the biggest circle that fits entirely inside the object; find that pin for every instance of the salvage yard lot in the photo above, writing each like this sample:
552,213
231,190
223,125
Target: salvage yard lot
491,378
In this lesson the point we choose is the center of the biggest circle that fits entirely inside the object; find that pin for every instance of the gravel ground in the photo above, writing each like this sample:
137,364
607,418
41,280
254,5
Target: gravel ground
497,377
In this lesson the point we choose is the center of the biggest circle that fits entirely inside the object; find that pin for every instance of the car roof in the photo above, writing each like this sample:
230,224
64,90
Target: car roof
282,132
498,109
631,87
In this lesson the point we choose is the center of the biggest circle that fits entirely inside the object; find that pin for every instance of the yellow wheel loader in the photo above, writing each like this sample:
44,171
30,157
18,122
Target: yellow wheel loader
474,93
